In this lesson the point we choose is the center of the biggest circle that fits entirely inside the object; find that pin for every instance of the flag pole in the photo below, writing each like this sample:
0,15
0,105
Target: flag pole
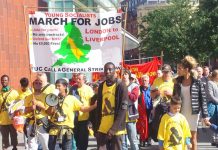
27,41
30,65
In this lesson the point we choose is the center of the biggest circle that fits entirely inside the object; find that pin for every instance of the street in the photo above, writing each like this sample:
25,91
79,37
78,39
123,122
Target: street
204,136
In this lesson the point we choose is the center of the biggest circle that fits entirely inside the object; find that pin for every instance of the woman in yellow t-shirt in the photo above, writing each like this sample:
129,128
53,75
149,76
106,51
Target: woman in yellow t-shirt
62,117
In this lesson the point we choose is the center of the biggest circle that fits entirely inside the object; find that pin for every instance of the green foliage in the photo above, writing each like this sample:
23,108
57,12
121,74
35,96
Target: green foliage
178,30
205,30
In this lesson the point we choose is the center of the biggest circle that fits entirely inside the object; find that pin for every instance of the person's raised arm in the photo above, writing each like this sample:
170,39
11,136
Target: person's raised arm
88,108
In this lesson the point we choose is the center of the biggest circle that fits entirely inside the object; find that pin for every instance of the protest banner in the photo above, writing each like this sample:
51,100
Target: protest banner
74,41
149,68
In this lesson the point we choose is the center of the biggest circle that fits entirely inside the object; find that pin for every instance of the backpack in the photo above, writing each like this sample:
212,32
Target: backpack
161,108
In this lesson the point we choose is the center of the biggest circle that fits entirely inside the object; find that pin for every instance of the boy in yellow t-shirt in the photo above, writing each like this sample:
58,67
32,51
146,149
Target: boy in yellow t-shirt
174,132
24,91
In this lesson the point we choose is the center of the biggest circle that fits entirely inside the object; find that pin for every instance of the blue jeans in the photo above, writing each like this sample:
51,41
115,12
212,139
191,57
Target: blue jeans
132,136
65,145
73,143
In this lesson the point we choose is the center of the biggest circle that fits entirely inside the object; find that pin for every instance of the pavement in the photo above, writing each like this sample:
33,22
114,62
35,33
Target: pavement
204,137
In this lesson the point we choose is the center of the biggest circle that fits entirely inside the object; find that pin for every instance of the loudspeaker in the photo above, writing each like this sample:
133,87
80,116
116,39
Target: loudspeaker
51,100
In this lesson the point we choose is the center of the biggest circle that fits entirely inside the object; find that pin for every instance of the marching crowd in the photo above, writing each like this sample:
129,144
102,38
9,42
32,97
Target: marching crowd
115,110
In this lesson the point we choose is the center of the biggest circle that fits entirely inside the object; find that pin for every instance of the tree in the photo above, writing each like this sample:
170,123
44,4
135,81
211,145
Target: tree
177,30
204,30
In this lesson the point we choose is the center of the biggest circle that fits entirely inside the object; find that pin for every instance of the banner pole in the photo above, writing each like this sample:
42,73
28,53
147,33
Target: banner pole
27,41
30,66
124,39
161,58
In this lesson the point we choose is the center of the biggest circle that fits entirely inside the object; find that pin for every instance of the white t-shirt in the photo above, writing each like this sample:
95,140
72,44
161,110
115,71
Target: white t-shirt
187,108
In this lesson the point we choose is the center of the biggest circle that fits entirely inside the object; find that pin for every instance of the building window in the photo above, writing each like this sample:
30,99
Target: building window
61,5
162,1
152,2
69,5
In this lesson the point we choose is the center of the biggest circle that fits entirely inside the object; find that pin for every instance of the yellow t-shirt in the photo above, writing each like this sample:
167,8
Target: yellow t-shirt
23,95
108,106
4,117
49,89
70,105
173,131
163,86
86,94
28,103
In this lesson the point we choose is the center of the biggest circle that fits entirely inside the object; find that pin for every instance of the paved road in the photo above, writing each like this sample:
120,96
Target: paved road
204,136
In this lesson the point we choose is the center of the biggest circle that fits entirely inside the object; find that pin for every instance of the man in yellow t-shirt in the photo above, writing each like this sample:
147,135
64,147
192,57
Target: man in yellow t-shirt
62,117
111,111
7,95
36,118
47,88
84,93
174,132
165,83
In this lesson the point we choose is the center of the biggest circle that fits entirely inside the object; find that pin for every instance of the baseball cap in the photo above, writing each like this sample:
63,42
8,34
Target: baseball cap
166,68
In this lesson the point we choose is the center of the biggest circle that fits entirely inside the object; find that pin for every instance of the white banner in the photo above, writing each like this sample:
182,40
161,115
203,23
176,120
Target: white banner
74,41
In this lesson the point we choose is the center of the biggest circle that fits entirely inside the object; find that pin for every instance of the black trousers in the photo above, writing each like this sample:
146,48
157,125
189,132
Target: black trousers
5,131
81,134
104,143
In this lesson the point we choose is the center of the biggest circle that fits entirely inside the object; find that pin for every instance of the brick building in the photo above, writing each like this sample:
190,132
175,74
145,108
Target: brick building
14,58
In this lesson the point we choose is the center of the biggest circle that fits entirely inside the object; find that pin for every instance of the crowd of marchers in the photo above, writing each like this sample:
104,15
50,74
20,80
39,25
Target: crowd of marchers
120,112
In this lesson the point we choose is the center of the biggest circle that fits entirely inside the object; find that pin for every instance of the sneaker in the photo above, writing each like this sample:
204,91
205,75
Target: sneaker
148,142
213,143
142,144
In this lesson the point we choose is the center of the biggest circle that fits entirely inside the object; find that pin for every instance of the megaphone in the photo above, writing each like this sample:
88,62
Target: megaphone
51,99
